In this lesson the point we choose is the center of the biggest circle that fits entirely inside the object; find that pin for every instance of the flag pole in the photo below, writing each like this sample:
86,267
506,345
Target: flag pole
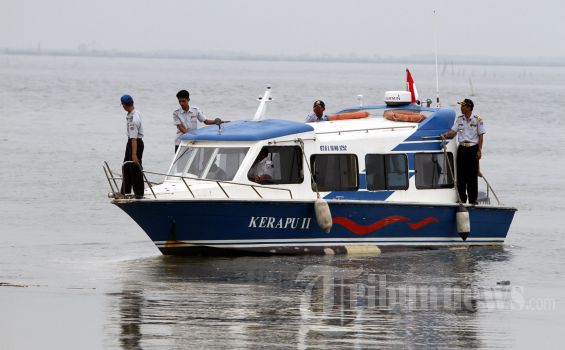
435,52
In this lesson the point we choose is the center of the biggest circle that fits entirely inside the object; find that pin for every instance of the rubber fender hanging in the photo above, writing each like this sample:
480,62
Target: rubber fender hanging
463,222
323,215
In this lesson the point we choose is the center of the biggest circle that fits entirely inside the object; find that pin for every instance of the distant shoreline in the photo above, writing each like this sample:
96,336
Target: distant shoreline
417,59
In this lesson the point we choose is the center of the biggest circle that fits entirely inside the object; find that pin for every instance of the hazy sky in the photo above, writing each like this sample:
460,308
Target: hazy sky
519,28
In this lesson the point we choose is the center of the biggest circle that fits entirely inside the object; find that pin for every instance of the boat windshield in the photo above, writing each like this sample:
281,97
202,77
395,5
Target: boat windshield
211,163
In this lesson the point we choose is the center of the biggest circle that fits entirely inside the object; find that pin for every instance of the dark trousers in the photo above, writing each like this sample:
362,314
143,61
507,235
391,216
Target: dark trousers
132,176
467,173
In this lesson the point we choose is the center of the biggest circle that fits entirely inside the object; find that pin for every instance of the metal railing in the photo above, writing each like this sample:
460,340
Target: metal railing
111,177
490,189
451,170
116,193
392,128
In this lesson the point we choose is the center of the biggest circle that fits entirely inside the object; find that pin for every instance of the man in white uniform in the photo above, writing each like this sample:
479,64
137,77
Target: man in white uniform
186,118
132,176
317,114
469,129
262,169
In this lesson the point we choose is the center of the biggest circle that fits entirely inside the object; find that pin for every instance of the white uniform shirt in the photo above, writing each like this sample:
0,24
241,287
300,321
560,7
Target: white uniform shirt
189,119
133,124
264,167
469,129
312,117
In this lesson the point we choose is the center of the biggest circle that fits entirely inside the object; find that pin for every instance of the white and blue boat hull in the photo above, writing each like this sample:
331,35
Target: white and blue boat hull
194,226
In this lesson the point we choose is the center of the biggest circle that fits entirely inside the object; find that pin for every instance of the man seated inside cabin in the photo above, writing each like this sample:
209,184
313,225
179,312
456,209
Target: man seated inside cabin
317,114
216,173
262,169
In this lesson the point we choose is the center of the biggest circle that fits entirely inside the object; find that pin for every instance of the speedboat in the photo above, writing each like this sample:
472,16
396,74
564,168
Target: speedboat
373,178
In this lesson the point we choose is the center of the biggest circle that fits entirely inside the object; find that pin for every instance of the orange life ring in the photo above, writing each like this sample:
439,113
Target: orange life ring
349,115
398,115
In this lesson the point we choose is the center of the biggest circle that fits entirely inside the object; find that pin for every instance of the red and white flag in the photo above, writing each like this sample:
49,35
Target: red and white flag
411,86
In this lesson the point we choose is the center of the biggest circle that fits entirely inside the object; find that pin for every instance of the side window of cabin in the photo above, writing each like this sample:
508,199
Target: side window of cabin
199,162
386,172
335,172
278,165
433,170
226,162
179,164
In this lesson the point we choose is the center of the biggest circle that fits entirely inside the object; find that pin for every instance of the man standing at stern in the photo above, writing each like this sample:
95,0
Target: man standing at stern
186,118
134,150
469,129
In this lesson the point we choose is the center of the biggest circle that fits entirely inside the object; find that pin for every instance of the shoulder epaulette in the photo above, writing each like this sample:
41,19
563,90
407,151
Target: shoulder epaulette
478,116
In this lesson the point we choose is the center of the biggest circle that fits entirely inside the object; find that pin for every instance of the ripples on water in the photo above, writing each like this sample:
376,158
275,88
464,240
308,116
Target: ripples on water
75,272
421,298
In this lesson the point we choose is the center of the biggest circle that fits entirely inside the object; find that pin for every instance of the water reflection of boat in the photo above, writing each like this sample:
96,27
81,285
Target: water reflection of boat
251,302
369,183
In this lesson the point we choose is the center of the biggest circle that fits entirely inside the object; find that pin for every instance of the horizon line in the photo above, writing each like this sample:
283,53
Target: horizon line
417,59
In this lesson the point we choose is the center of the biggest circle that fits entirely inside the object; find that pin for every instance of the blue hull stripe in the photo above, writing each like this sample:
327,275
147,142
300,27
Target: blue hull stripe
418,146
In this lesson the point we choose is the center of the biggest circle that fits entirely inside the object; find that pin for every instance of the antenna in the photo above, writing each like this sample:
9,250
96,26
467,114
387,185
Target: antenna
435,52
360,100
260,113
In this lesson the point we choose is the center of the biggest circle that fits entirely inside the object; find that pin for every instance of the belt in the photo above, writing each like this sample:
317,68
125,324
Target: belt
467,144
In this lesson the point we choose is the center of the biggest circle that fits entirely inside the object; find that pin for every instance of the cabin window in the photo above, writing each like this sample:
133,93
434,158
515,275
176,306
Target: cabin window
212,163
198,163
277,165
184,154
433,170
386,172
335,172
225,163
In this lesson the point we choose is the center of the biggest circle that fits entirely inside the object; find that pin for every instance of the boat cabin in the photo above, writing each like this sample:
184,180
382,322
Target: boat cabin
374,158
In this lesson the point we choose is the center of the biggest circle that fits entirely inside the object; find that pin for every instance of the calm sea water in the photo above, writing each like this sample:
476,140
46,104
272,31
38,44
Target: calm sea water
76,272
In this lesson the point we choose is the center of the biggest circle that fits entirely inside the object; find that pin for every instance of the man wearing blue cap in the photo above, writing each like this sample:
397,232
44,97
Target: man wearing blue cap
132,176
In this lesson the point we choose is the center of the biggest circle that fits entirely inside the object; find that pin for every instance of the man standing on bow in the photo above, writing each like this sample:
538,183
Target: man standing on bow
186,118
132,176
469,129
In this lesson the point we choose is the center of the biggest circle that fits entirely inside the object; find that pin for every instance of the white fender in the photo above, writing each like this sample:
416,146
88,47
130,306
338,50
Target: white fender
463,222
323,215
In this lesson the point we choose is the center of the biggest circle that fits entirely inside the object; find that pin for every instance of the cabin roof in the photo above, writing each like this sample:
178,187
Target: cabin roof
247,130
441,119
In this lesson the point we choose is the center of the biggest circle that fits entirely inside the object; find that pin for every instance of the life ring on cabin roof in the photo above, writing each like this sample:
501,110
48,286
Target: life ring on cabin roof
349,115
399,115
